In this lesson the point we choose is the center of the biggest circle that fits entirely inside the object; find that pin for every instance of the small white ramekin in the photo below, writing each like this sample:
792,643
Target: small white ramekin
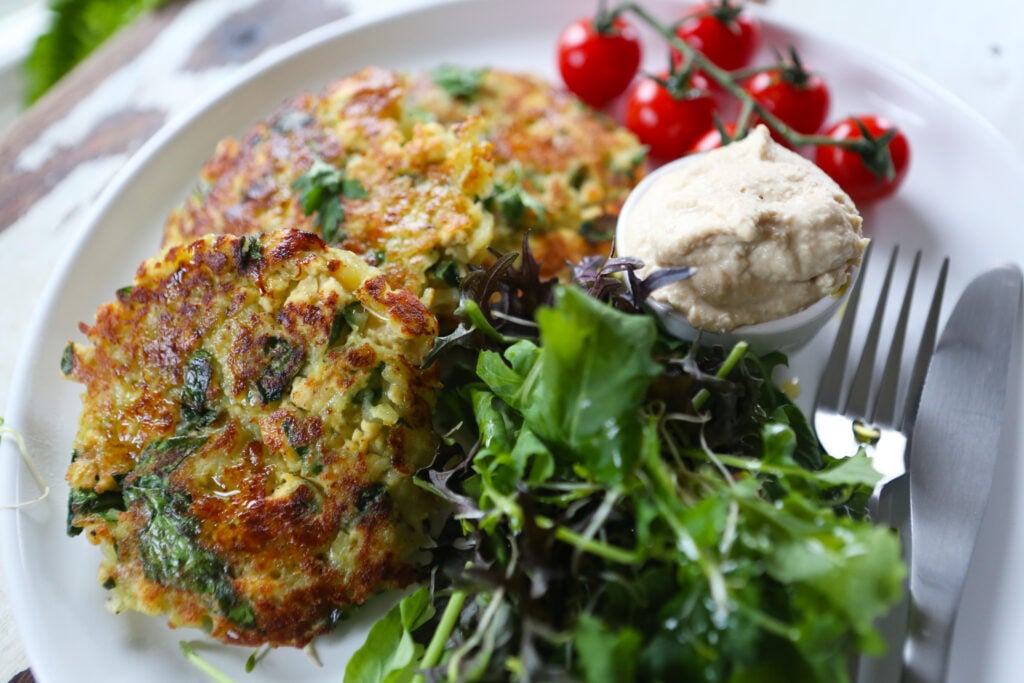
787,334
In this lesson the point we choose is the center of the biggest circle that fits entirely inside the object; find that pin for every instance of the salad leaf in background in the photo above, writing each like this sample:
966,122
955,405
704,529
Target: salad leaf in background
77,27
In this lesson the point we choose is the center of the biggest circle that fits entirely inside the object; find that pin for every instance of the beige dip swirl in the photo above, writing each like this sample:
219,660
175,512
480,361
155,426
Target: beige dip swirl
768,232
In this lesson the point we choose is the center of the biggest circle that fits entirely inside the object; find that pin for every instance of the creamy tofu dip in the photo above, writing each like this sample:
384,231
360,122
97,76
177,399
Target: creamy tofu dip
768,232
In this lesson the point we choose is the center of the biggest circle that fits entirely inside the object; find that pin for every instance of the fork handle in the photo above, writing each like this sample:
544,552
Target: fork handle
890,507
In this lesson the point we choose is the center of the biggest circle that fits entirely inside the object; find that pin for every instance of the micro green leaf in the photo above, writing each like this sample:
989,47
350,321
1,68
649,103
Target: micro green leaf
209,670
353,189
390,653
19,440
76,28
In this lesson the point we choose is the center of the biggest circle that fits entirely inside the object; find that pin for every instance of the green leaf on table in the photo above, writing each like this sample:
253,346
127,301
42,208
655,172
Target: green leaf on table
77,27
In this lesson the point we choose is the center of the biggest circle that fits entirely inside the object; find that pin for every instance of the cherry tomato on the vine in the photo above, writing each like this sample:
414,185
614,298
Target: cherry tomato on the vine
800,99
669,120
723,32
712,139
598,58
888,165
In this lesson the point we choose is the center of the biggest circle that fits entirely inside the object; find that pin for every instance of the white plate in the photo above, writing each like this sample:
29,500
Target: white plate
963,197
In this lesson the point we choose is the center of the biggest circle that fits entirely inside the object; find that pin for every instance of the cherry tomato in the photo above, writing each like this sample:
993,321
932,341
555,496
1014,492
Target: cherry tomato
666,123
712,139
721,30
799,98
598,62
848,168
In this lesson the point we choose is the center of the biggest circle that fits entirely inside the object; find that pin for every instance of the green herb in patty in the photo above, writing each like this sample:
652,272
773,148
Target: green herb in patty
170,553
459,82
320,191
284,361
196,411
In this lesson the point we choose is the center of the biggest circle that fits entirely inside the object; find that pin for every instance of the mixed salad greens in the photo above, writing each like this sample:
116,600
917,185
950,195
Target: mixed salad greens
626,506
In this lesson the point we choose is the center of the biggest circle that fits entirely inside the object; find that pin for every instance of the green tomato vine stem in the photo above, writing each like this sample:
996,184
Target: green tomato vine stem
730,82
747,72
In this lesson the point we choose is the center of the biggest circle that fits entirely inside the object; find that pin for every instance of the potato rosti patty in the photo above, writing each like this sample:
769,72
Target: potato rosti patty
423,153
559,165
403,193
253,412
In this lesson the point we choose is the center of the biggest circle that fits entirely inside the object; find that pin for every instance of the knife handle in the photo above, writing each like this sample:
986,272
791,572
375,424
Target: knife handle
954,448
926,651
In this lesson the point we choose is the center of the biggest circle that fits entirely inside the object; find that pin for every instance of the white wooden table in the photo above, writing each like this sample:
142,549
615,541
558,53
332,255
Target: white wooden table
60,154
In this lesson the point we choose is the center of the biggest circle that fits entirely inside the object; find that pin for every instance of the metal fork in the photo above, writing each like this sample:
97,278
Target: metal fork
869,415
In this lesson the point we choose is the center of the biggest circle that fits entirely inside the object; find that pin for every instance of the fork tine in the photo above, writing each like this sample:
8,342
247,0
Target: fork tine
831,385
884,409
924,353
860,389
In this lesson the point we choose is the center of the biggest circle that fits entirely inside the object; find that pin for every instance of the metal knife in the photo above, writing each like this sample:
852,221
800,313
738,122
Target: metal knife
953,450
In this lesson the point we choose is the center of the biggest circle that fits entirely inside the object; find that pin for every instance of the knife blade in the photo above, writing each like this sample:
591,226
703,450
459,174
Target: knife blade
953,451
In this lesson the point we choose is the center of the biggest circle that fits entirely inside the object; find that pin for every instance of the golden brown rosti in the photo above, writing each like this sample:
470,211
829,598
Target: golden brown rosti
252,416
560,166
444,166
353,165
